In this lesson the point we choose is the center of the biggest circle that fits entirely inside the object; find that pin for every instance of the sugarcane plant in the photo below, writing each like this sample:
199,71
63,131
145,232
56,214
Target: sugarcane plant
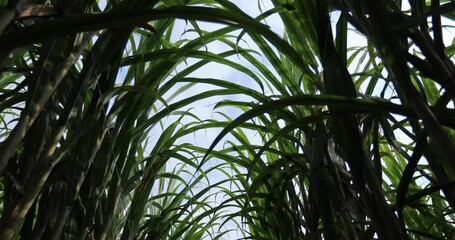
335,139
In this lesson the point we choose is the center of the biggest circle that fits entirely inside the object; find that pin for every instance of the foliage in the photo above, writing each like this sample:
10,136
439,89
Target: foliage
338,141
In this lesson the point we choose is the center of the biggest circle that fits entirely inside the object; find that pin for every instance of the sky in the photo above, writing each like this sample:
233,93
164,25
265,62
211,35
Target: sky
204,108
